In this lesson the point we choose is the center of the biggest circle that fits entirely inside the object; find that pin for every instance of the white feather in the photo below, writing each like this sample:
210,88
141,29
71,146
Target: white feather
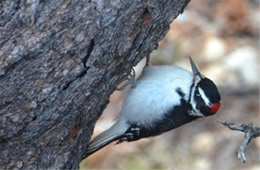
155,94
204,97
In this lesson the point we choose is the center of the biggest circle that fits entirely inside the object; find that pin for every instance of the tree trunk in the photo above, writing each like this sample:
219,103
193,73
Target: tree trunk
59,62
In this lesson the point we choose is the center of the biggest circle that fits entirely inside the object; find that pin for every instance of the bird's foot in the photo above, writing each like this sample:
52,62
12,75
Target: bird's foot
130,81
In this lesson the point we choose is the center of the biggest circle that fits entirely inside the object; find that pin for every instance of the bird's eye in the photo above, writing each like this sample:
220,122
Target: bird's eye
215,107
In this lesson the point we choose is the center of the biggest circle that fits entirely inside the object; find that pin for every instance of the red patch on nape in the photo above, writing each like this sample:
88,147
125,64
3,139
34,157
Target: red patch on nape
215,107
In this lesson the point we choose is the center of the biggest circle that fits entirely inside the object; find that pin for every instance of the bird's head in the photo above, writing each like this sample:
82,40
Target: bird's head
204,97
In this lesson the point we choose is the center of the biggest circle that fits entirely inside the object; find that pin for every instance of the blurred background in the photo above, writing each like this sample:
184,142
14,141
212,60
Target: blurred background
223,39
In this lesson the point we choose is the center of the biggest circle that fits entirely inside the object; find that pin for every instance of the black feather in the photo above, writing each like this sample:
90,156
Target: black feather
174,118
210,90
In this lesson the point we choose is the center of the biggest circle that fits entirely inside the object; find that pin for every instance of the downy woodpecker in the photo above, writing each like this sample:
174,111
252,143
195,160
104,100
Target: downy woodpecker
165,97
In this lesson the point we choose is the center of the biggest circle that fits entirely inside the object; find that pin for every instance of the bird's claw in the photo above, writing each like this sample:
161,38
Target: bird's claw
130,81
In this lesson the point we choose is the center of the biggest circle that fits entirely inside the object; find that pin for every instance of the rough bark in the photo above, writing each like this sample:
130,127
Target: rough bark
59,62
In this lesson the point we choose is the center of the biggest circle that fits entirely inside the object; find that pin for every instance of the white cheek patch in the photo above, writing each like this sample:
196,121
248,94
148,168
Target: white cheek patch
204,97
193,102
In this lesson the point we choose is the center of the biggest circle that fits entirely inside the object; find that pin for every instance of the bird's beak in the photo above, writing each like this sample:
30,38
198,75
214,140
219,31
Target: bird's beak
195,70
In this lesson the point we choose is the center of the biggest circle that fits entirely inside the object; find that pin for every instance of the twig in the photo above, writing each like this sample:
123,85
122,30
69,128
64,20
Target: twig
250,132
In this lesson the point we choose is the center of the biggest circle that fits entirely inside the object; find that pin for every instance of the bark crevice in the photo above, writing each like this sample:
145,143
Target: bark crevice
59,63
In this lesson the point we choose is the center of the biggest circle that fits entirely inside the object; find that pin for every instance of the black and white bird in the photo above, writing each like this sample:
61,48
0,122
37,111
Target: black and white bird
165,97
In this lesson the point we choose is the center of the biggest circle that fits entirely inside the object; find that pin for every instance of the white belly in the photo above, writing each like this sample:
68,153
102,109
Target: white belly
155,94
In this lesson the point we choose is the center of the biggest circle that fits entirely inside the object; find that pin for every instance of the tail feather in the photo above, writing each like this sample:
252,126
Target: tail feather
106,138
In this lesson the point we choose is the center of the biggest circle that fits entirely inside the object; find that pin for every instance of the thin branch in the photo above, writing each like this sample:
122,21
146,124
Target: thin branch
250,132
